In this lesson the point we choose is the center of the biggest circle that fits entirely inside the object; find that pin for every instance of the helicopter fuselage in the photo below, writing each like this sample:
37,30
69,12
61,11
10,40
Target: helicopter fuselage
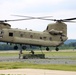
29,37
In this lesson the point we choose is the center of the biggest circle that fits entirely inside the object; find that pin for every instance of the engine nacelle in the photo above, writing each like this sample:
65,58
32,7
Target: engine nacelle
55,32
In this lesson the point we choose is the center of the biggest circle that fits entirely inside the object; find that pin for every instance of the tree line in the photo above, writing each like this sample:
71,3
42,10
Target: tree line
11,47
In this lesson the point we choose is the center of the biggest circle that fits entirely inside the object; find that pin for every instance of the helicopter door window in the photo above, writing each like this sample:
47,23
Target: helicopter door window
11,34
40,37
31,36
50,38
44,38
1,32
21,35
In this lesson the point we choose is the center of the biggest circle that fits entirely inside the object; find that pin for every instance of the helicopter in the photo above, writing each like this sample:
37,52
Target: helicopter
54,35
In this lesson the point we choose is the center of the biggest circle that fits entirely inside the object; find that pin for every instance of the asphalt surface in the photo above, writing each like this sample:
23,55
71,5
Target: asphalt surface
47,60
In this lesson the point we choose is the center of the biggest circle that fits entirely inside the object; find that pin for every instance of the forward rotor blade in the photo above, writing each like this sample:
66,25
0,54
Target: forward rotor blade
23,16
46,19
15,20
45,16
32,17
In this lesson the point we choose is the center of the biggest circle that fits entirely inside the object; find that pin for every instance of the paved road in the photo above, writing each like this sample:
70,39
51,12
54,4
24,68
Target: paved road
36,72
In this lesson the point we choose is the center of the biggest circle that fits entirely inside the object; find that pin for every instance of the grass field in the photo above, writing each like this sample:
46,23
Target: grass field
47,53
19,65
16,65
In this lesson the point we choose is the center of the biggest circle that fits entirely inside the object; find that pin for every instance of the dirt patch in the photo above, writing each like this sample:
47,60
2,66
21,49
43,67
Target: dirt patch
36,72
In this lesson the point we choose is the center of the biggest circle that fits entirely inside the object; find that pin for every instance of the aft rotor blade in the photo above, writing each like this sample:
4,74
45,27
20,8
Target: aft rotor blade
70,19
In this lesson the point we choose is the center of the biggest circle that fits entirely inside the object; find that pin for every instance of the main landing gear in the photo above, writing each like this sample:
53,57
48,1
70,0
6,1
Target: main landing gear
20,53
47,49
57,49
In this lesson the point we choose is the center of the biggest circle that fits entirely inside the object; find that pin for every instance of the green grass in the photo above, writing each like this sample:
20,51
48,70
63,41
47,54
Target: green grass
47,53
19,65
59,53
8,54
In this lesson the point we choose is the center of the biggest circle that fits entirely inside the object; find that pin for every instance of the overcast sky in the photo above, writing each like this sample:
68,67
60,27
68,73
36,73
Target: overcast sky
59,9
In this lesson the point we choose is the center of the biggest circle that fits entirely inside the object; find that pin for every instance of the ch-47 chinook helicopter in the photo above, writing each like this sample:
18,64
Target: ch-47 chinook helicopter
53,36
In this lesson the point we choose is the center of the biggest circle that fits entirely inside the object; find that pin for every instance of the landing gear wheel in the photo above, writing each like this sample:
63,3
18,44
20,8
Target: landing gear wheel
57,49
47,48
15,47
23,47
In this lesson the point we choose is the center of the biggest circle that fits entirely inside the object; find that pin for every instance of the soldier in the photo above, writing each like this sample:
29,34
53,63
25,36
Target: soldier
32,52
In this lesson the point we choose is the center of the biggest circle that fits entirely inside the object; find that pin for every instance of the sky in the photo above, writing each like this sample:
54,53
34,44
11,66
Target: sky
58,9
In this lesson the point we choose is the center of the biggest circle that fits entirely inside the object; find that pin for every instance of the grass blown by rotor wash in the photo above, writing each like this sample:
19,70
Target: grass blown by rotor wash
21,65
